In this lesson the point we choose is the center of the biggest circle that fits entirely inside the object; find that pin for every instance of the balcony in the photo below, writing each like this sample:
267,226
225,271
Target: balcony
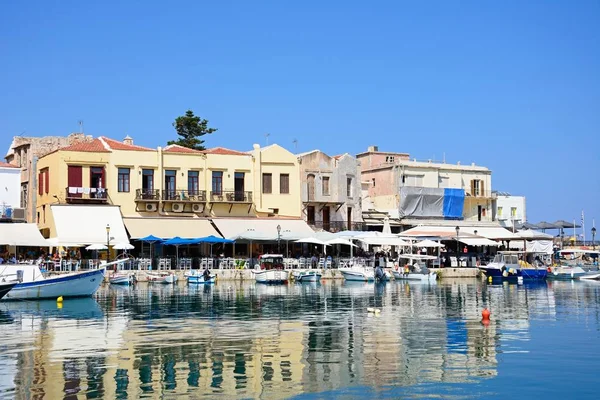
481,194
79,195
230,197
182,196
147,195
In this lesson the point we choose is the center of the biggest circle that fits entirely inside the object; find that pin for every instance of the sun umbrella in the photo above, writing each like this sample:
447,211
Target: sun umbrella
546,225
150,239
314,240
212,240
96,247
123,246
428,243
565,224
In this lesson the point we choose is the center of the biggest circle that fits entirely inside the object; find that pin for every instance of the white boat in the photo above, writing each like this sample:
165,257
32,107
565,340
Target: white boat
168,278
415,270
121,279
358,273
34,285
271,270
197,277
307,276
566,273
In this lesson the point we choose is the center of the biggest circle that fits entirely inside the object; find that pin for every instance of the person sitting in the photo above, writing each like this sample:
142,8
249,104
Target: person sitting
206,274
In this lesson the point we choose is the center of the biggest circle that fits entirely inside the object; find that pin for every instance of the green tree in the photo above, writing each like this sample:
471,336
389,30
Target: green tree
190,129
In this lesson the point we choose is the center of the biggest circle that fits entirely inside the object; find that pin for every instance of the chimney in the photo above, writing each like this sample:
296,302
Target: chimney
372,149
128,140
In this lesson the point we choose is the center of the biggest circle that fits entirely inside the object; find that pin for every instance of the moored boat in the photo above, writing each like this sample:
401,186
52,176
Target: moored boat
271,270
415,269
566,273
507,266
121,279
307,276
167,278
32,284
5,287
198,277
358,273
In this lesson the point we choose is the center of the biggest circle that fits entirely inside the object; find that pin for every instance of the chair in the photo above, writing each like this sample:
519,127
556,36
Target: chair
329,262
302,262
321,263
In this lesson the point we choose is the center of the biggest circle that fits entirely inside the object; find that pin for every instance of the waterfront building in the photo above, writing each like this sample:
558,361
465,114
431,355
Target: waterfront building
10,182
23,153
396,185
510,211
170,191
331,192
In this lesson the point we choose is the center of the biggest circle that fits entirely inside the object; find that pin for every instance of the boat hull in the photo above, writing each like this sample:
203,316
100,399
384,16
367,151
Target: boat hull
199,279
80,284
526,274
357,275
309,277
163,279
271,276
5,288
124,280
412,277
566,273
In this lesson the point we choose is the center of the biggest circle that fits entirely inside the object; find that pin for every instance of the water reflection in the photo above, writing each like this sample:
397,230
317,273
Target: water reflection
246,340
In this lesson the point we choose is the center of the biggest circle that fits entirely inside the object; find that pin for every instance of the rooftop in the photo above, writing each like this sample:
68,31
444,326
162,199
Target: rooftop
224,151
7,165
95,146
117,145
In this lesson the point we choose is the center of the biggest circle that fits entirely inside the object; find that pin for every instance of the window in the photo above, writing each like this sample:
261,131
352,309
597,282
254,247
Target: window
123,180
267,183
476,187
284,183
389,159
217,182
193,183
147,180
44,181
443,181
23,195
499,211
40,183
373,180
325,183
349,187
412,180
513,211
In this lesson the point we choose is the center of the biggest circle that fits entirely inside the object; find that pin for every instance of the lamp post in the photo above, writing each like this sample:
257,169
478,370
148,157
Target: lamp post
107,242
594,237
278,237
457,250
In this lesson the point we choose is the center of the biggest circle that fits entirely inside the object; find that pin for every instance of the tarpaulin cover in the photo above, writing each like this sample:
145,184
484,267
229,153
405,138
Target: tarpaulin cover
421,202
454,201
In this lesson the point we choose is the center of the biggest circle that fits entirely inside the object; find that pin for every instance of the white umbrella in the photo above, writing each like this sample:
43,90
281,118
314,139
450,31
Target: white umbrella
314,240
341,241
428,243
123,246
385,241
96,247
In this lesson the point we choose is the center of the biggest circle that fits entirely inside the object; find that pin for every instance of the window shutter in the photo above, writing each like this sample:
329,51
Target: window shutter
40,183
472,187
481,188
47,181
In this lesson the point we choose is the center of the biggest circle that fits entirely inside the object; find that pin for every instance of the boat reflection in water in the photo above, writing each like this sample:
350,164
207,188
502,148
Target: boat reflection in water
248,340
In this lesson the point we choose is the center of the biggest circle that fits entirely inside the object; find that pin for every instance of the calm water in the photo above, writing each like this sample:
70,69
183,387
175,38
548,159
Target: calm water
306,341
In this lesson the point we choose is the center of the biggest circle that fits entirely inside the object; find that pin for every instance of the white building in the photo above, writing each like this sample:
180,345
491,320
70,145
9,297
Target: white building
509,210
10,189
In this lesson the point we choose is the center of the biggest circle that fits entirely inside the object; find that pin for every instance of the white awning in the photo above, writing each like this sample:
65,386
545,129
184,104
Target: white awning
167,228
478,242
17,234
494,233
86,224
266,229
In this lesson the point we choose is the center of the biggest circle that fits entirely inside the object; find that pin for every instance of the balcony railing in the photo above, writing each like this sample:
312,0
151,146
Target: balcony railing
337,226
184,195
147,194
231,196
479,193
86,195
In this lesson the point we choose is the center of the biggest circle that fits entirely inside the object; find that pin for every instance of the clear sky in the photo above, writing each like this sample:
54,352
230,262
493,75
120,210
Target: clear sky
511,85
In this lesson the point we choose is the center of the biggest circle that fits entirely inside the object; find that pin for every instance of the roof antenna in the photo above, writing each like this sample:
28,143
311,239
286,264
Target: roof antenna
444,156
80,122
295,141
267,137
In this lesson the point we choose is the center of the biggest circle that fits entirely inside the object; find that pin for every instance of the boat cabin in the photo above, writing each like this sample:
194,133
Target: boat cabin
271,261
507,258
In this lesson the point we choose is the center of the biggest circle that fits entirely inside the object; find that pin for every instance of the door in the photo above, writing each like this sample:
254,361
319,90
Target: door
310,187
349,217
148,184
170,184
74,181
310,215
238,186
326,218
479,212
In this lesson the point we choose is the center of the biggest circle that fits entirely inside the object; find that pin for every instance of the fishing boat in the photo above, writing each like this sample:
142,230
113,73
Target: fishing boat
197,277
270,270
121,279
415,270
5,287
167,278
507,266
358,273
567,272
33,284
302,276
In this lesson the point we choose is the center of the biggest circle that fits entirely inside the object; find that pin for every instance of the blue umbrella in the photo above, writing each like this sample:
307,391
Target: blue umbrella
213,240
176,241
150,239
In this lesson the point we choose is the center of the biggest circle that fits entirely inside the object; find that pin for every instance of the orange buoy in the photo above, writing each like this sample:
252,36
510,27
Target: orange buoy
485,314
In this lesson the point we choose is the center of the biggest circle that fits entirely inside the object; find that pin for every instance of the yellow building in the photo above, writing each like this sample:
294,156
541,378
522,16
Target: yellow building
171,191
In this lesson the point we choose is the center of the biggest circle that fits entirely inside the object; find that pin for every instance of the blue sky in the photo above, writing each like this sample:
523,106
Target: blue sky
512,85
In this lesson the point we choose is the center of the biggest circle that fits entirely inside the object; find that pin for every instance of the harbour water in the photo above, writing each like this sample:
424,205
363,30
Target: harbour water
306,341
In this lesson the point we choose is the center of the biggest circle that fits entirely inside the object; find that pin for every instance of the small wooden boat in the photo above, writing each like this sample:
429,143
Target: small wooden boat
197,277
162,277
358,274
271,270
417,271
121,279
307,276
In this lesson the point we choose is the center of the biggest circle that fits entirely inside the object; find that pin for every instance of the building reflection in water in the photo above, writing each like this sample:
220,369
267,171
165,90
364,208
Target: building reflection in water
261,341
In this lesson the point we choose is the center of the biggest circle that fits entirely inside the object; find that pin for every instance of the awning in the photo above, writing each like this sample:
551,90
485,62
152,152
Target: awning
291,229
86,224
17,234
494,233
166,228
478,242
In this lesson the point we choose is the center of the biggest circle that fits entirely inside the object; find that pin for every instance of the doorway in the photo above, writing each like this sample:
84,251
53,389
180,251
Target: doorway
170,184
479,212
310,215
98,182
74,180
349,217
326,218
238,186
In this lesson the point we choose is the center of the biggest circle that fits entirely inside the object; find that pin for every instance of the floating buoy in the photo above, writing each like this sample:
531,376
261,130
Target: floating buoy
59,299
490,279
485,314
